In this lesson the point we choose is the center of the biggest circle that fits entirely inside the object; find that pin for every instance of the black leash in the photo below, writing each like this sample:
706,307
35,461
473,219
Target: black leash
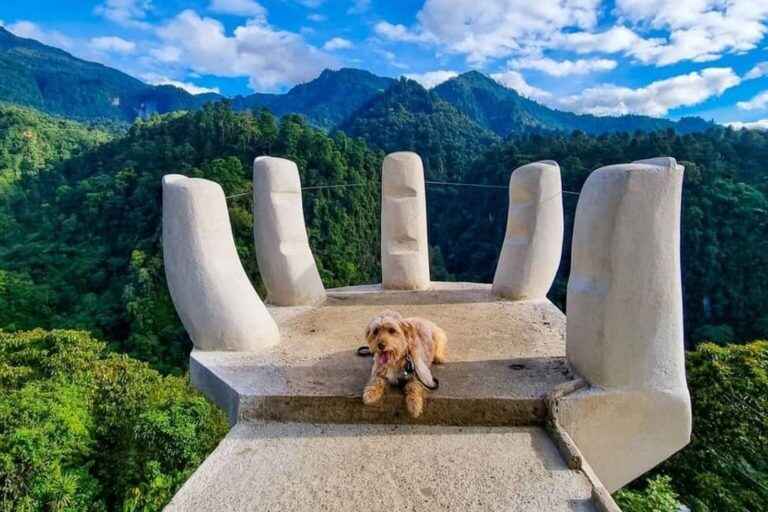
408,371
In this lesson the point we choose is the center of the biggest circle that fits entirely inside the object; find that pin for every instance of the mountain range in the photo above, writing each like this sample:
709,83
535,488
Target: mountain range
54,81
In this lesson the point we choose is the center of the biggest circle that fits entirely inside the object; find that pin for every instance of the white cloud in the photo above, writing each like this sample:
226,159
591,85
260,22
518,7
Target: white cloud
515,80
269,57
337,43
614,40
112,44
399,33
698,30
359,7
248,8
166,54
759,102
660,32
760,124
29,30
317,17
129,13
493,28
154,79
760,70
563,67
431,79
655,99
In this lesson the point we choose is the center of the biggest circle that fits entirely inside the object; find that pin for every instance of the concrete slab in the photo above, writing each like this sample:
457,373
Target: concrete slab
298,467
503,357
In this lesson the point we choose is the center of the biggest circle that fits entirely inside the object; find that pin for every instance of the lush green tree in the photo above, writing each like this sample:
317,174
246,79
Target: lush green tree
658,496
725,468
29,141
24,304
85,429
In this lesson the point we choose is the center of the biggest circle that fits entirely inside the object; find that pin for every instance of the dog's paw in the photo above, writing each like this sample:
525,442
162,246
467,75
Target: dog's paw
415,404
372,394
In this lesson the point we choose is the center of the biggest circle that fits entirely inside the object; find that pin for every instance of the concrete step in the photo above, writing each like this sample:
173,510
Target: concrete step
313,467
503,357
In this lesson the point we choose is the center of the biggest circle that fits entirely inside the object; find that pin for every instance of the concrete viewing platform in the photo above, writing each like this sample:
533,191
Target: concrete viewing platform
503,358
512,426
302,466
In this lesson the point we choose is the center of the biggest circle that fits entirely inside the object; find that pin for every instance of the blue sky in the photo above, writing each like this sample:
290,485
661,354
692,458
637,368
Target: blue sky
667,58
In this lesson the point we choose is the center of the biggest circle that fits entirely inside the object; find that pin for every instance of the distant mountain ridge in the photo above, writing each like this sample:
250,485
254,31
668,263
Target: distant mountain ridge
49,79
326,101
52,80
504,111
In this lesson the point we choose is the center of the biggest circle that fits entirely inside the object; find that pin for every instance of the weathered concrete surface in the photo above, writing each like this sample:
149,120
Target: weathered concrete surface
404,248
503,357
533,242
305,467
286,263
625,321
212,294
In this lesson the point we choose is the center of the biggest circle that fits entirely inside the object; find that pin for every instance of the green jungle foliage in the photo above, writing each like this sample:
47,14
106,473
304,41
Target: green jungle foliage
725,468
29,141
85,429
82,238
658,496
724,221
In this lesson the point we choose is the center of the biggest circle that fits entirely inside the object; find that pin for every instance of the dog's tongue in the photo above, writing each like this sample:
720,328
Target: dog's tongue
383,358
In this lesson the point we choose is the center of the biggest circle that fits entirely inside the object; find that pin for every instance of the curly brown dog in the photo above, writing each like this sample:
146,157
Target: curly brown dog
394,340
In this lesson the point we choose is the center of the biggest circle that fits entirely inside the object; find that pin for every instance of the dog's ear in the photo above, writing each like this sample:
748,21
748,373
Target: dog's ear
418,355
420,364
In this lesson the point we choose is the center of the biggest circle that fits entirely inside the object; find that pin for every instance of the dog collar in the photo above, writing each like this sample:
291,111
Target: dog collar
407,373
409,370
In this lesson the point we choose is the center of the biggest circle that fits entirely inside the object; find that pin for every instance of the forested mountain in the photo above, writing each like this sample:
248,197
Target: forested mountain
504,111
54,81
325,101
407,117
